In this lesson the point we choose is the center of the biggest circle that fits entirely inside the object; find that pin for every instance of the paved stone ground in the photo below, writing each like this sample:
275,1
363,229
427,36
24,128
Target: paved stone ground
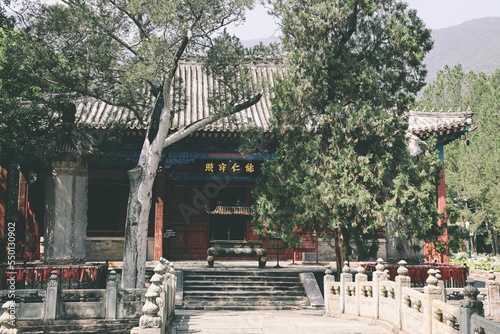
266,322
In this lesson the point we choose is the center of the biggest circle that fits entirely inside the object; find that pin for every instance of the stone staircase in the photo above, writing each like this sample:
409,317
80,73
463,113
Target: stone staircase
243,290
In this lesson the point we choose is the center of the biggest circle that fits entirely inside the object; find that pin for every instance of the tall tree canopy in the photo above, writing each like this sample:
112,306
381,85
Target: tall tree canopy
25,124
342,166
126,53
472,166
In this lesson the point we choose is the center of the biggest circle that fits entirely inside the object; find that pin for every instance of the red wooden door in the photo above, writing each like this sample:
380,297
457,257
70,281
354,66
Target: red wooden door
189,223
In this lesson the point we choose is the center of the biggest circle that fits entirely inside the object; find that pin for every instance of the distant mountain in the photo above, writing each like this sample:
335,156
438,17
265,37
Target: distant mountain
475,44
248,43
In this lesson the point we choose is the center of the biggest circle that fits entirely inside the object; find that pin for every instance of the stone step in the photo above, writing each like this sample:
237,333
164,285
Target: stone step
215,287
242,307
248,273
89,326
241,278
234,293
190,282
245,297
248,301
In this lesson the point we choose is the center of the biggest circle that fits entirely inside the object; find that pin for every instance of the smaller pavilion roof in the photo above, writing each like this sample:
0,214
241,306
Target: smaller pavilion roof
425,124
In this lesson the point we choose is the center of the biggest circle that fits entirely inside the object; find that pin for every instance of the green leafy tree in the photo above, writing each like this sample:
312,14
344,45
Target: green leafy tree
126,53
472,166
26,128
25,124
342,165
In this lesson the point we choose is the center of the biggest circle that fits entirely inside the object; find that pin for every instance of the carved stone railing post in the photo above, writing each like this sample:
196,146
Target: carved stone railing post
469,306
160,276
161,300
402,281
431,291
8,318
52,297
360,277
111,295
493,288
164,264
167,283
173,289
150,322
346,276
378,275
441,285
328,279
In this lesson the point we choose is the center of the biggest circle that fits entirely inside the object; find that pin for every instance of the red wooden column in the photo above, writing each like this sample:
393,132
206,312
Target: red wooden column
22,202
430,252
441,207
159,210
28,232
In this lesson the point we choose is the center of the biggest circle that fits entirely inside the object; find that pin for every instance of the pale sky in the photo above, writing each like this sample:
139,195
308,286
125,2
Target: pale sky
435,13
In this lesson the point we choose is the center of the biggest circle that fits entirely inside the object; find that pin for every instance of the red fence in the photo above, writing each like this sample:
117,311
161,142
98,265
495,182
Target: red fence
29,276
453,276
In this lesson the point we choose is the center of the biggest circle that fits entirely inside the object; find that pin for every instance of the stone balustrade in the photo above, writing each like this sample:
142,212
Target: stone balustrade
159,307
493,293
392,303
113,302
404,309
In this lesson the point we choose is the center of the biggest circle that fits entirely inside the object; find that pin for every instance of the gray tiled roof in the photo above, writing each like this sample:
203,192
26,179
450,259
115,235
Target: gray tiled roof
424,124
197,87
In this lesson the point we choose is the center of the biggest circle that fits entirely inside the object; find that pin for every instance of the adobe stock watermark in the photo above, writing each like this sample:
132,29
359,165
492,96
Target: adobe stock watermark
11,272
201,199
257,321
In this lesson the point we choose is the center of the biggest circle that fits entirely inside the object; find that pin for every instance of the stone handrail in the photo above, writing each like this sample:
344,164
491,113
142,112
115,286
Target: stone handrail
351,298
30,295
388,307
446,316
83,295
55,303
412,307
405,309
413,299
480,324
365,298
160,304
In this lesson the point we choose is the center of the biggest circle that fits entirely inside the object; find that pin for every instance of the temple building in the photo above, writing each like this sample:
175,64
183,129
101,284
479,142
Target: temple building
203,188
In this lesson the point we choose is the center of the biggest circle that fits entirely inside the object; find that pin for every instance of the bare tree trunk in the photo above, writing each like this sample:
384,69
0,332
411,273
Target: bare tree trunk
491,234
495,239
136,230
141,179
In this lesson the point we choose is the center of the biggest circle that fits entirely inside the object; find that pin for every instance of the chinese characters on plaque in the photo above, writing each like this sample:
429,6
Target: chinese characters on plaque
231,167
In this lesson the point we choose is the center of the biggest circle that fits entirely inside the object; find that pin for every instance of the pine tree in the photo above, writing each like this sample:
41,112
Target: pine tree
342,166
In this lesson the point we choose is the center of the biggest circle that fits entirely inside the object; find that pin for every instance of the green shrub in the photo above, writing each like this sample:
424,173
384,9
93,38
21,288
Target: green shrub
477,261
